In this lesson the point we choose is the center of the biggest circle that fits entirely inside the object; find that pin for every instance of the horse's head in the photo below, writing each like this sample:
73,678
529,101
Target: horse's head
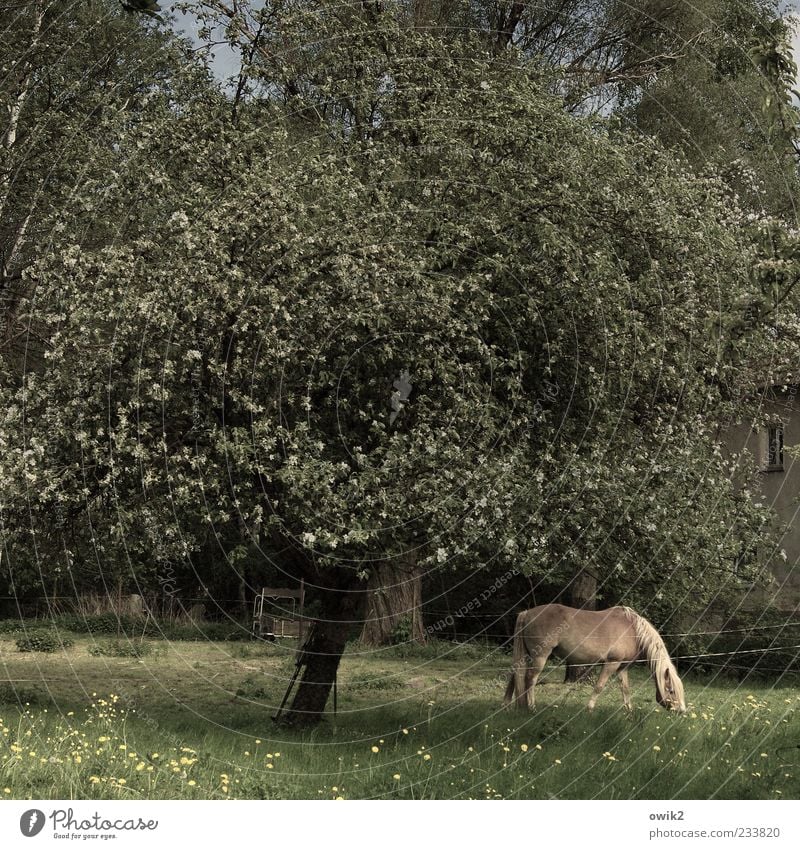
669,691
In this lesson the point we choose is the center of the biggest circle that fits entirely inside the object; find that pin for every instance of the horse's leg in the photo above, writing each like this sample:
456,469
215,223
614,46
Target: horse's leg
608,670
518,677
509,696
532,676
626,690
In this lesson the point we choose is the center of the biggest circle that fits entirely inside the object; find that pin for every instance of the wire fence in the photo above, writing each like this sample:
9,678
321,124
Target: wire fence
505,637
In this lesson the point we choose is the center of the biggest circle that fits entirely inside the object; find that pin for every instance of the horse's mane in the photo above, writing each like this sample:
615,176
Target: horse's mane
652,646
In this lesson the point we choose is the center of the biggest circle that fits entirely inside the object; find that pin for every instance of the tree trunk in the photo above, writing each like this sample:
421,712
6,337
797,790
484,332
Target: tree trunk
582,593
342,608
394,597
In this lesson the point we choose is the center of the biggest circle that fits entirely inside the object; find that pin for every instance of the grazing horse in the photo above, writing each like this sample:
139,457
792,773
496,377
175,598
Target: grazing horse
615,637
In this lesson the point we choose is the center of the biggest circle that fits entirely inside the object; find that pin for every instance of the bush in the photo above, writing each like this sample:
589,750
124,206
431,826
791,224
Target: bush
379,680
21,697
10,626
250,689
750,646
43,641
402,632
121,648
434,649
111,625
98,623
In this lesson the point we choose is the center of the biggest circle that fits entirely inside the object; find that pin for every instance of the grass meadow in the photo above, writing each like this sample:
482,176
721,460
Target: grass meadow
192,720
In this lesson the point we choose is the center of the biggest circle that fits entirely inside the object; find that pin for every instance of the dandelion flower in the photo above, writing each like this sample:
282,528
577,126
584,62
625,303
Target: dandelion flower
396,776
524,747
426,757
375,749
192,783
656,748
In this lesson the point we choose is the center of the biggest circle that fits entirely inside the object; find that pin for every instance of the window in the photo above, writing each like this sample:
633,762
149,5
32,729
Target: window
773,456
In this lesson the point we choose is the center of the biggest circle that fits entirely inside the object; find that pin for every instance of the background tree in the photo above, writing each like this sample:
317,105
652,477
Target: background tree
77,78
71,70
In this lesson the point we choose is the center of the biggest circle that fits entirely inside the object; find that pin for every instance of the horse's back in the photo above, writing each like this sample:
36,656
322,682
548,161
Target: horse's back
583,636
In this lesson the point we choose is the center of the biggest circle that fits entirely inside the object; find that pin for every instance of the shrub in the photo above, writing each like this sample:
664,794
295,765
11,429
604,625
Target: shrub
111,625
20,696
378,680
250,689
121,648
43,641
98,623
402,631
749,646
434,649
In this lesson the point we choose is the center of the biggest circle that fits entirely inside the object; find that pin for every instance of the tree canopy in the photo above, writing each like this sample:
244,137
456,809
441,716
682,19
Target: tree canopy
216,330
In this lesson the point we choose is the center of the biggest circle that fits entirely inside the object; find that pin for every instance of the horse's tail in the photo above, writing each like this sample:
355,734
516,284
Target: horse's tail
516,686
651,645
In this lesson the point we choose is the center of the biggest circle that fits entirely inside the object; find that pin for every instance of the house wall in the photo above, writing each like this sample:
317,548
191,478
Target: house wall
781,490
